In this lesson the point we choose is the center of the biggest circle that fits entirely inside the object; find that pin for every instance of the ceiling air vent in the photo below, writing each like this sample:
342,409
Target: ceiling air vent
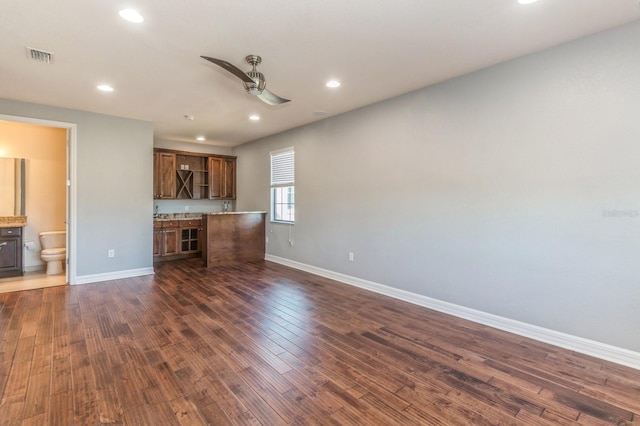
40,55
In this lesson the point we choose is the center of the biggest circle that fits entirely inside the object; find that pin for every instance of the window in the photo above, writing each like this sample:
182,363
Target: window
283,186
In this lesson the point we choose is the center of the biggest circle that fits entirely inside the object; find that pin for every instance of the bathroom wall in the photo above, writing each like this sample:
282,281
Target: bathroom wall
44,149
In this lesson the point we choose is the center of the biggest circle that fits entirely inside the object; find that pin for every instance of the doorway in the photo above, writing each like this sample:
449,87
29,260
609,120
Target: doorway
51,209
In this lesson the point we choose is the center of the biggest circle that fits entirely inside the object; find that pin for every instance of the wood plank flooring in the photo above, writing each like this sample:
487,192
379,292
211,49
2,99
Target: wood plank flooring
260,343
31,281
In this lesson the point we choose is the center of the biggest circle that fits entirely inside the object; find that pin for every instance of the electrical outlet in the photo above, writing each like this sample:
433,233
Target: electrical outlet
350,256
267,240
186,208
111,253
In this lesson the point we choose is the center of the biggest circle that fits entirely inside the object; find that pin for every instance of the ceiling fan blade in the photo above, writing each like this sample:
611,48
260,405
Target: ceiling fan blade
231,68
271,98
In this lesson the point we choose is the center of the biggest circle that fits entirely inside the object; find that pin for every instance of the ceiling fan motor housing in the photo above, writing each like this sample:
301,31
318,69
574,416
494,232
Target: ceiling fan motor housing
257,77
259,83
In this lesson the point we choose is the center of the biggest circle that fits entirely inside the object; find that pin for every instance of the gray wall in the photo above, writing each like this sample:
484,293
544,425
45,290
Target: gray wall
114,187
514,190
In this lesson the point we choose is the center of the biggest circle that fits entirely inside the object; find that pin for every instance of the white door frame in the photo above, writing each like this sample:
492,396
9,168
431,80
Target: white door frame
71,185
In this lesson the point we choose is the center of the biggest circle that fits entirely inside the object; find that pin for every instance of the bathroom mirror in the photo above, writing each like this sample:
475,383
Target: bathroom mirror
12,186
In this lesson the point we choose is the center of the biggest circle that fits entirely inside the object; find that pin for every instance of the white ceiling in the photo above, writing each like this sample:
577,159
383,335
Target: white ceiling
377,49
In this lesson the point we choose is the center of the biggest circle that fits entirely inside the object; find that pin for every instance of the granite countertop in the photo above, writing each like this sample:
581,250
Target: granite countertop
194,216
216,213
178,216
12,221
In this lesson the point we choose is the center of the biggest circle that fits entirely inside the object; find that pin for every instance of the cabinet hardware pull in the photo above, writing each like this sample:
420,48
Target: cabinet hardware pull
2,244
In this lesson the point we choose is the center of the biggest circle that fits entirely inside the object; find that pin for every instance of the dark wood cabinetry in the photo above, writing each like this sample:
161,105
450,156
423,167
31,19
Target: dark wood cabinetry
192,176
222,178
173,239
233,237
10,252
164,179
165,238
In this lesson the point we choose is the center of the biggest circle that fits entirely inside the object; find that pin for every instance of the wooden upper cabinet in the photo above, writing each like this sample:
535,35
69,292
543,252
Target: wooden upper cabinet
222,178
164,175
215,178
194,176
229,184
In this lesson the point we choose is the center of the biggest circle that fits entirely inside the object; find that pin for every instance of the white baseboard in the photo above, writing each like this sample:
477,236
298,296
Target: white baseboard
585,346
87,279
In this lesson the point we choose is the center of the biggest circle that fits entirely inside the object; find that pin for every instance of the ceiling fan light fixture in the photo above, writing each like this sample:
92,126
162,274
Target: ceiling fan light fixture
131,15
252,89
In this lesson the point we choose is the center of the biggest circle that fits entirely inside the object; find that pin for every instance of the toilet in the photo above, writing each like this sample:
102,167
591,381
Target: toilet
54,250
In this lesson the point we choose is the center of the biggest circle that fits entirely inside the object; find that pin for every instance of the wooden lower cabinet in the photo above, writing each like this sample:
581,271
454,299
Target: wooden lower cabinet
176,239
10,252
233,237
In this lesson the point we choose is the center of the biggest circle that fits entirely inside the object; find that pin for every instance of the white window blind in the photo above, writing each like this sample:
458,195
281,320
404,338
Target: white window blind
283,205
282,167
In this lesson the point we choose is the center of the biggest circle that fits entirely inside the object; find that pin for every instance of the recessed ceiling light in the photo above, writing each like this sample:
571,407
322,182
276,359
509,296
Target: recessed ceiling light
131,16
254,117
320,113
527,1
105,88
188,117
333,84
200,138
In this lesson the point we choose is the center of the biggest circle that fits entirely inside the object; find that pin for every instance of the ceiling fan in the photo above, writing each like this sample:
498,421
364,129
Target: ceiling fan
254,82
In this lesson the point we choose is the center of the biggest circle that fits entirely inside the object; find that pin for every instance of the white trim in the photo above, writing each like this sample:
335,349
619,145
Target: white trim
72,130
585,346
280,151
117,275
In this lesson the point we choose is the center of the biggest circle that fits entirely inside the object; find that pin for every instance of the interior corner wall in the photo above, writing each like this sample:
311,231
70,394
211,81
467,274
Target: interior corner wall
513,190
114,176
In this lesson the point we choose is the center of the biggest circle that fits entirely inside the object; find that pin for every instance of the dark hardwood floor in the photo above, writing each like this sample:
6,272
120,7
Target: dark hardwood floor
264,344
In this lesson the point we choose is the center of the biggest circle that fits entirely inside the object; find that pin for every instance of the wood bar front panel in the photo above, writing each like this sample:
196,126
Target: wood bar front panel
233,238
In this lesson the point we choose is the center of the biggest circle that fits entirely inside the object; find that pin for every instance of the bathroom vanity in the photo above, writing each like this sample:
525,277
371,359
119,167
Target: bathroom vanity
11,246
12,219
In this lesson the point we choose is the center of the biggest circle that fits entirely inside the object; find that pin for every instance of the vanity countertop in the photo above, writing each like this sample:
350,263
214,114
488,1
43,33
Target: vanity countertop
12,221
